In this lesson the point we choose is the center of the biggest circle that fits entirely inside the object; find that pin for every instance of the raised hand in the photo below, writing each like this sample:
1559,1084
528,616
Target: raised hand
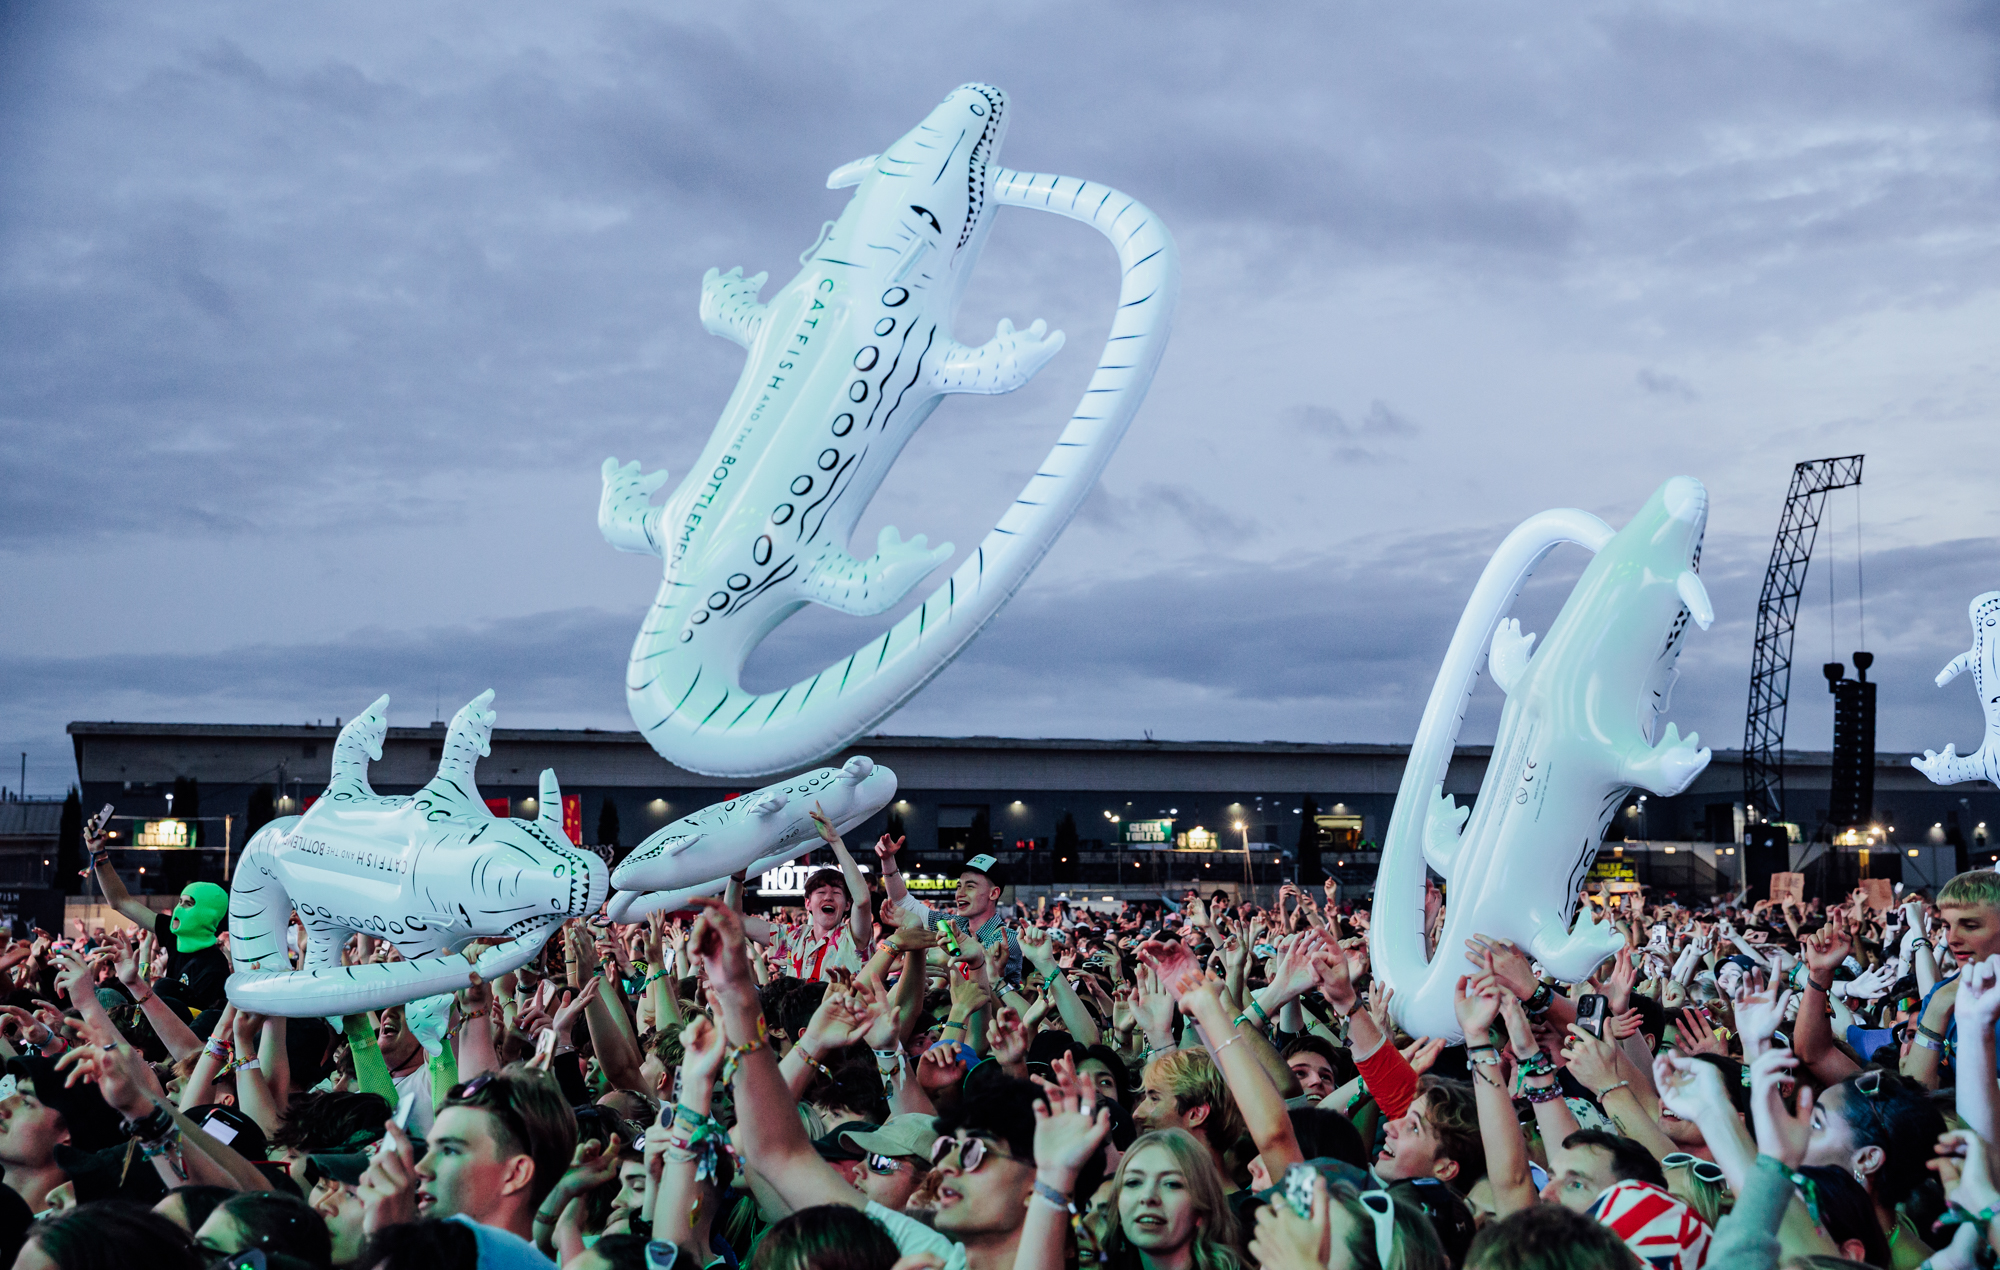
1690,1088
1507,962
1070,1127
718,943
1872,985
1299,967
1420,1054
1697,1036
1593,1062
1780,1134
1827,947
1759,1014
885,850
940,1068
1037,947
1153,1008
1172,964
1477,1003
573,1007
1624,976
841,1019
704,1048
389,1185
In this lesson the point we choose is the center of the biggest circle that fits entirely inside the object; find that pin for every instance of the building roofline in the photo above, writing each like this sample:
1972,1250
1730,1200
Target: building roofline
599,736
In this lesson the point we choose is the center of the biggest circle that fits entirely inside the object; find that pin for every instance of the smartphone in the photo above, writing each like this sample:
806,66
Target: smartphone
948,936
1591,1008
98,822
545,1043
218,1129
1299,1188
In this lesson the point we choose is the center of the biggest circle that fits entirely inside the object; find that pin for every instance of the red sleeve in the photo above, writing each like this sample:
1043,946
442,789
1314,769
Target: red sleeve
1391,1081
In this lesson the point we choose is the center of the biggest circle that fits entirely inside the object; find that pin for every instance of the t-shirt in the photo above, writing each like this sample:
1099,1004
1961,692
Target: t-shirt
804,954
996,936
503,1249
416,1087
912,1237
195,979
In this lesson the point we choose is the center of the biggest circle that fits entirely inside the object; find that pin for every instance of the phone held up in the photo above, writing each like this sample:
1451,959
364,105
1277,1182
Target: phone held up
1590,1011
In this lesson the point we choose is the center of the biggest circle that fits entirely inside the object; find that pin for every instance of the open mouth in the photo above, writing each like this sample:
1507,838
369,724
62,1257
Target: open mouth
947,1197
425,1200
1149,1221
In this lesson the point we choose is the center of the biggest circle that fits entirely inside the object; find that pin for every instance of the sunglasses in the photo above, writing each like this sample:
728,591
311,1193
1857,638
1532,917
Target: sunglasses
468,1094
1704,1170
972,1152
882,1165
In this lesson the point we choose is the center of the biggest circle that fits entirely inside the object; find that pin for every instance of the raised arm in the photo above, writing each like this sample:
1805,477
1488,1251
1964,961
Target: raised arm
689,1135
892,877
859,920
1977,1008
1038,947
108,880
768,1130
1256,1096
1478,1004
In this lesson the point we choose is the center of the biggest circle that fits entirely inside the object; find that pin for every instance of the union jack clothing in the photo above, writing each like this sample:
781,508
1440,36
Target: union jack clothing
1657,1225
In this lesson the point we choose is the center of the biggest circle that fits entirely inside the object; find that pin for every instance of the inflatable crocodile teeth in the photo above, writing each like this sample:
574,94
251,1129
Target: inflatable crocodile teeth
844,363
1577,733
1983,660
429,873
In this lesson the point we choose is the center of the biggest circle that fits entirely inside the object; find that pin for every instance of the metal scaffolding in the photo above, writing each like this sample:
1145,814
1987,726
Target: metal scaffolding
1777,613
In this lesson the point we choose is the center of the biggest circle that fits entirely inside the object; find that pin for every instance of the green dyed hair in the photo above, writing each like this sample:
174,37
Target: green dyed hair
1980,886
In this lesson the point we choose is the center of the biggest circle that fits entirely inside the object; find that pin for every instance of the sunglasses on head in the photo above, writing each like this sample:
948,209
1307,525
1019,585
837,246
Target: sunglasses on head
1381,1210
972,1152
1704,1170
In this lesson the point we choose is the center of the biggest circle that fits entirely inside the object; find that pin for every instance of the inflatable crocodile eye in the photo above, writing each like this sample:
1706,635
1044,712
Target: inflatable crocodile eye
925,212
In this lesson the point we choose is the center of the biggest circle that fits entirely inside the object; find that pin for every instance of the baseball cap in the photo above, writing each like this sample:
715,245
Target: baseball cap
906,1133
837,1146
345,1167
988,866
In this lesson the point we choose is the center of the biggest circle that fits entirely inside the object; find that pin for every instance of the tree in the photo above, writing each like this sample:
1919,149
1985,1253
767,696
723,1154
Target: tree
1310,872
70,861
980,837
1069,851
894,827
607,823
263,809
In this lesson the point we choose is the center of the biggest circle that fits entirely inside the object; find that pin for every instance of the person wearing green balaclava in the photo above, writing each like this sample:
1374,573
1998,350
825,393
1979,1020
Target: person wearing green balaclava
197,968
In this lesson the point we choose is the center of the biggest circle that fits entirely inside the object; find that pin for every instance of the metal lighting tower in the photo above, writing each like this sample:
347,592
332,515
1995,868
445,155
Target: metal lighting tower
1771,661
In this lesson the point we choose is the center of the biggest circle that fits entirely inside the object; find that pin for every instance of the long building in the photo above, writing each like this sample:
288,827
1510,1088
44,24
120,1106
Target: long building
1148,816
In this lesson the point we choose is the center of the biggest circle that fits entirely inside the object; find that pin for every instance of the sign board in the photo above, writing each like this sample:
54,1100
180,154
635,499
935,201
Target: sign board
1196,839
790,879
573,818
1880,893
1788,886
164,834
1613,871
1147,833
22,908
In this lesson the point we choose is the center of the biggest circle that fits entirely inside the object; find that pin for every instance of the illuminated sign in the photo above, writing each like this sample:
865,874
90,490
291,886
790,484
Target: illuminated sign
1196,839
164,833
790,879
1147,833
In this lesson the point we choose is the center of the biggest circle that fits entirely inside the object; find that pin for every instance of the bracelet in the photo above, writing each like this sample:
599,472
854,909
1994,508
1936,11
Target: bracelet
1261,1013
1050,1195
1539,1000
217,1049
143,1000
1542,1093
1826,989
1538,1063
1233,1038
734,1058
1484,1056
1623,1084
543,1219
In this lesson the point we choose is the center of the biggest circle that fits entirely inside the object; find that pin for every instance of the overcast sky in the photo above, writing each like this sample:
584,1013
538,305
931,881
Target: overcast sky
317,320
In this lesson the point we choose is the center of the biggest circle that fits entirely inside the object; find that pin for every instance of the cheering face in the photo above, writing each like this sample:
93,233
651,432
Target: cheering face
976,894
1155,1210
1314,1072
986,1200
1410,1147
828,907
398,1044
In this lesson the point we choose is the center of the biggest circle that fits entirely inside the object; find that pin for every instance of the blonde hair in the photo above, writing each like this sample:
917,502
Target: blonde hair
1980,886
1196,1081
1215,1234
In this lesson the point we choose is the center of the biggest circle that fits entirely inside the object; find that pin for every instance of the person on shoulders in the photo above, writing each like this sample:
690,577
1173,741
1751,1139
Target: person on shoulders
975,906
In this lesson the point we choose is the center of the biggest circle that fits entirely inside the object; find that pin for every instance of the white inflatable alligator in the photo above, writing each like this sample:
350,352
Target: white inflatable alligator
772,826
1983,660
1577,733
429,873
845,362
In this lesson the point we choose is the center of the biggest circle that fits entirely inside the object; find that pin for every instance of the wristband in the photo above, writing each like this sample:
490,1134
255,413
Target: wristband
1542,1093
152,1127
1824,988
247,1065
1539,1000
1260,1011
1049,1194
1928,1042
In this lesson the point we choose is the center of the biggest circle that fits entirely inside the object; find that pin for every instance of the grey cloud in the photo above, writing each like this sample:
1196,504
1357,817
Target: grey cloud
1659,383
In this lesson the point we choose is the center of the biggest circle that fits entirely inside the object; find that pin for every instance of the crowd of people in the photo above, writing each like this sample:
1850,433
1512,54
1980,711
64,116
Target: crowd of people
868,1083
